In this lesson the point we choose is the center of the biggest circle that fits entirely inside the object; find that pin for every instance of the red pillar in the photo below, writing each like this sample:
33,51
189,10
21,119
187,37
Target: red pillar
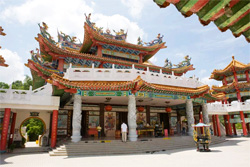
201,117
99,51
12,129
54,128
226,124
247,124
243,123
234,128
60,64
214,125
5,127
229,125
247,76
218,125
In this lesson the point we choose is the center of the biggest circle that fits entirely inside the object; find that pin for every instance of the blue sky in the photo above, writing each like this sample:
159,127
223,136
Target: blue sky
208,47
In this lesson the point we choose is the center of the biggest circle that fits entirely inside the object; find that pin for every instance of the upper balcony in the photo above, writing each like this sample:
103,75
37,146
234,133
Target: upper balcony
39,99
113,74
216,108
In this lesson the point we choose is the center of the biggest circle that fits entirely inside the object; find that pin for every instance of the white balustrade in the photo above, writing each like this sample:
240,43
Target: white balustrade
226,108
26,97
112,74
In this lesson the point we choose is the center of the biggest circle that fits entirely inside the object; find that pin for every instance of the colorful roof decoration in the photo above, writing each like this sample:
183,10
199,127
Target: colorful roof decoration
242,86
68,43
234,65
94,36
2,61
136,85
226,14
48,47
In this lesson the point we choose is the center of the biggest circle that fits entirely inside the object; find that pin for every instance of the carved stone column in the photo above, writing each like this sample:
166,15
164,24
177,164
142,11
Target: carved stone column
77,118
132,118
190,116
205,113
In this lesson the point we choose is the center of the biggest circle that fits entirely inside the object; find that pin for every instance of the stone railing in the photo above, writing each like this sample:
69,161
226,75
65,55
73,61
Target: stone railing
26,97
225,108
44,90
112,74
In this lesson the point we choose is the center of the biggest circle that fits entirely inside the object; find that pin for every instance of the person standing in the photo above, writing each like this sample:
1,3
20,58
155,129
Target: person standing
124,129
99,129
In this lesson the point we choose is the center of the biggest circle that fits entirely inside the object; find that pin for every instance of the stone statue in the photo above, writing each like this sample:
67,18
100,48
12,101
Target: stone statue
139,41
185,62
121,32
168,63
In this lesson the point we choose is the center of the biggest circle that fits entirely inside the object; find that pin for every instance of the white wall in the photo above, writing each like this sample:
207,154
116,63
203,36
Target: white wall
22,115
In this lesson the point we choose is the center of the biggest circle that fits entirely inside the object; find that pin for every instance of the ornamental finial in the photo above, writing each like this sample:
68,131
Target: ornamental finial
233,57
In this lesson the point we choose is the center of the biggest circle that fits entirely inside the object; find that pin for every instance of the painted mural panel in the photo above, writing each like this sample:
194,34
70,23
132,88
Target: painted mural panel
110,123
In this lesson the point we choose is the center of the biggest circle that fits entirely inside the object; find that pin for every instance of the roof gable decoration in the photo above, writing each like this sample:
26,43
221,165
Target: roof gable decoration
121,35
226,14
2,61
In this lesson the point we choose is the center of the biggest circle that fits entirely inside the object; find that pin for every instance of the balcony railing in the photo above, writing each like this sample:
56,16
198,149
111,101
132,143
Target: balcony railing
112,74
27,97
226,108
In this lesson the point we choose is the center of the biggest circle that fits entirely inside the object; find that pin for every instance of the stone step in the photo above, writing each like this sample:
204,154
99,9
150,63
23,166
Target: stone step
111,147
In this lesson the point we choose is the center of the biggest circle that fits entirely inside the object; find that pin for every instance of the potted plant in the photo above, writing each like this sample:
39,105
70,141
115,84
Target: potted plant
23,142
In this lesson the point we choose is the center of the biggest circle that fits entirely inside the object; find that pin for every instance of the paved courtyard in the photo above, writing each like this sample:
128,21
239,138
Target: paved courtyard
234,152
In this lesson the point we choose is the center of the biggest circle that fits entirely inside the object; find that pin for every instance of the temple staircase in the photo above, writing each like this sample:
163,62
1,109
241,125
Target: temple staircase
112,147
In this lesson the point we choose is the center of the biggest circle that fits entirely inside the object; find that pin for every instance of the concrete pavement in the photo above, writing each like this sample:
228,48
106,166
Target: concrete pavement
234,152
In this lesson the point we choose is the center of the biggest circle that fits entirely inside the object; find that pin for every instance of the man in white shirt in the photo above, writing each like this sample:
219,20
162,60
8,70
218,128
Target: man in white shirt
124,129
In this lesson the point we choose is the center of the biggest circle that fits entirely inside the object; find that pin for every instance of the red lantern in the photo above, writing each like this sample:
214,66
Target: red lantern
140,109
108,107
168,109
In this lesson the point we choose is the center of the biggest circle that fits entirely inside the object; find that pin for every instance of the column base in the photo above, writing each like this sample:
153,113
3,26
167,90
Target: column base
76,139
190,133
132,137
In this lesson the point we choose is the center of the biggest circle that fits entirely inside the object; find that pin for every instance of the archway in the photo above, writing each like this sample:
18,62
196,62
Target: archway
32,127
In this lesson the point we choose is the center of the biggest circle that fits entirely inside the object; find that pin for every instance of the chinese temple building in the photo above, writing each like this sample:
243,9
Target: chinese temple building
106,81
226,14
236,87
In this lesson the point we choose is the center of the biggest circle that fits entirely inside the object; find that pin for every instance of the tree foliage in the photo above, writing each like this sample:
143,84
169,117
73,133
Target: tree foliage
21,85
34,128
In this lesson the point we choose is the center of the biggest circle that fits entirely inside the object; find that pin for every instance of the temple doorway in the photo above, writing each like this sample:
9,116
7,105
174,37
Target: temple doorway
164,118
121,117
32,129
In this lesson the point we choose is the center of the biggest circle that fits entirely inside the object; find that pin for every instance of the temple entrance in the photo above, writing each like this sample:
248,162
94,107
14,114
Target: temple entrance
164,117
84,124
32,129
121,117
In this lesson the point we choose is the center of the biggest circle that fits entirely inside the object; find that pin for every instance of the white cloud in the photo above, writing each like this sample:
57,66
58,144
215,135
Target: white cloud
210,82
117,22
135,6
67,17
15,71
153,60
202,72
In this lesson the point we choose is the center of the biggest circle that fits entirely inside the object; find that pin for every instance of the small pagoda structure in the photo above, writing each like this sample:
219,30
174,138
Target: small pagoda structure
236,87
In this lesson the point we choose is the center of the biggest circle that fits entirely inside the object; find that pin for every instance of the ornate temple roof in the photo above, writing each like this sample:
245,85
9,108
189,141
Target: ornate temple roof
93,37
51,48
234,65
226,14
136,85
242,86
